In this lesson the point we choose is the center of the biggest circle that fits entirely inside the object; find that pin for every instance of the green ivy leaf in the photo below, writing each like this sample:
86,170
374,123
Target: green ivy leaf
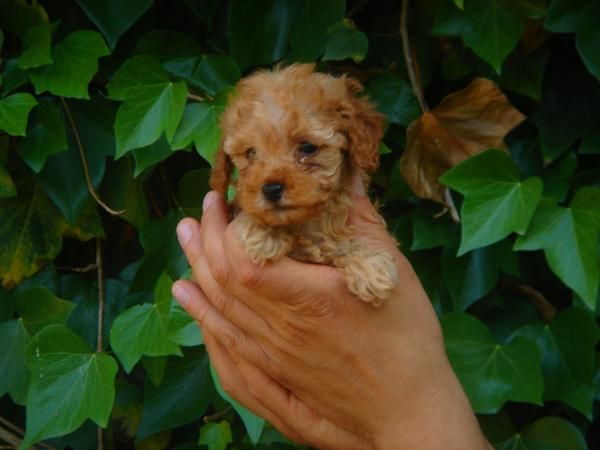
155,368
14,111
490,27
491,373
472,276
210,73
162,252
69,384
395,98
259,32
216,436
37,41
430,231
38,308
7,186
568,348
143,329
253,423
346,41
200,125
566,16
124,192
569,238
84,294
46,135
309,32
114,17
543,434
154,153
75,63
14,377
152,103
496,203
18,16
183,329
170,405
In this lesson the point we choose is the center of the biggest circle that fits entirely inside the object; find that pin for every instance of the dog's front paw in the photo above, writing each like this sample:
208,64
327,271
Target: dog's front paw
261,244
370,275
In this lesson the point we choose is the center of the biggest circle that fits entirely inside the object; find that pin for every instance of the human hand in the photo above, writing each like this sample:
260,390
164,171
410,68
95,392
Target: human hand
292,344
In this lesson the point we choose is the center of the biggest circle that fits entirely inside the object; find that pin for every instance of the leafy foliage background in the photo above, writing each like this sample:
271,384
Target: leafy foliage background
108,124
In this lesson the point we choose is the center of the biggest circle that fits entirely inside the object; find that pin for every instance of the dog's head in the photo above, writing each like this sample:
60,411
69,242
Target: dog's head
294,136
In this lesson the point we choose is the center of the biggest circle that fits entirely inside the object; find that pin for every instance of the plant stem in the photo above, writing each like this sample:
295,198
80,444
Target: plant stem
197,97
86,170
411,66
216,416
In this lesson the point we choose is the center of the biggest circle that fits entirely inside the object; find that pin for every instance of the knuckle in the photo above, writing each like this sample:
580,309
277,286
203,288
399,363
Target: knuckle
249,275
220,273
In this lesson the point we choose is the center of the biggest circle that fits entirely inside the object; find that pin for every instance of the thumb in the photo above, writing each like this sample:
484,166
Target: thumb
368,225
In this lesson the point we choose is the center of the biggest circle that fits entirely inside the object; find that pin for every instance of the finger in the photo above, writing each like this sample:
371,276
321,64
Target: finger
316,430
286,280
235,386
232,309
215,219
193,300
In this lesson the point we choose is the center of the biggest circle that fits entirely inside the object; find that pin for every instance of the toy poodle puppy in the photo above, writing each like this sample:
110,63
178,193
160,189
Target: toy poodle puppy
296,138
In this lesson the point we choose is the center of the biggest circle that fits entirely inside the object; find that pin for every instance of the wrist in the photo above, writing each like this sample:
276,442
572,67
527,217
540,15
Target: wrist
441,420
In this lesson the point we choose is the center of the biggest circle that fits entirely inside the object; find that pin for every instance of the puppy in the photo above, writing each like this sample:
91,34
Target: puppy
296,138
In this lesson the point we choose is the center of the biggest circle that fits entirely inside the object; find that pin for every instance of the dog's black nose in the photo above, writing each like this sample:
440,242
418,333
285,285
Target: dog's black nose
273,191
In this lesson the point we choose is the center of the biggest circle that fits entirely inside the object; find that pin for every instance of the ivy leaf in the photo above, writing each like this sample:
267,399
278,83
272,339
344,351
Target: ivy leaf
14,111
183,329
155,368
569,238
162,252
170,405
18,16
152,154
567,345
200,125
46,136
75,63
143,329
395,98
489,27
216,436
30,233
7,186
346,41
152,103
38,307
14,377
259,32
309,32
84,294
430,231
568,16
122,191
37,41
114,17
69,384
543,434
490,373
253,423
464,124
496,203
210,73
472,276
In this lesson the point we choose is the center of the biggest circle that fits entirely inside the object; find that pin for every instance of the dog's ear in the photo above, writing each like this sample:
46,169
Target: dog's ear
364,127
220,175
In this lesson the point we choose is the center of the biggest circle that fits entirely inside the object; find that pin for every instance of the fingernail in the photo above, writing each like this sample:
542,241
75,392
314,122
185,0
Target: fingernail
359,185
184,233
209,199
181,294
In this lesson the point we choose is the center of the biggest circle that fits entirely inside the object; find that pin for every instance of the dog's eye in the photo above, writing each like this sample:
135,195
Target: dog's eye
250,153
306,148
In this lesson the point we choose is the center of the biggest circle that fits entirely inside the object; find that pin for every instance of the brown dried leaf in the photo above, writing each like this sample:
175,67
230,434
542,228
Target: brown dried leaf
465,123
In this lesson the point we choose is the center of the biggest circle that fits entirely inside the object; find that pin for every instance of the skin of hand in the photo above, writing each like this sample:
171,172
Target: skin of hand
291,343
